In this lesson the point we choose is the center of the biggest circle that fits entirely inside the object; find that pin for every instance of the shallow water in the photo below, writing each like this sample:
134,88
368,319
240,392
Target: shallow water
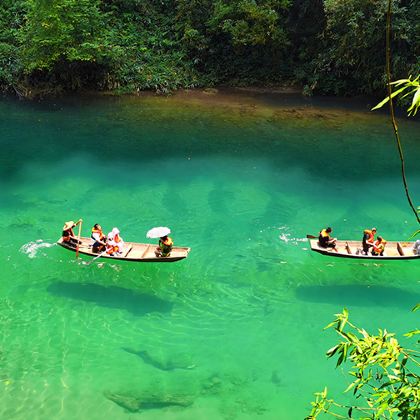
235,330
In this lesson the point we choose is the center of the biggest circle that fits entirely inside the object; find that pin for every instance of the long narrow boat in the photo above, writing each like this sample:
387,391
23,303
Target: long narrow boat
133,251
352,249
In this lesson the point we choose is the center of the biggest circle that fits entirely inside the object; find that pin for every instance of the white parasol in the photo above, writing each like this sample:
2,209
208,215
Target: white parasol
158,232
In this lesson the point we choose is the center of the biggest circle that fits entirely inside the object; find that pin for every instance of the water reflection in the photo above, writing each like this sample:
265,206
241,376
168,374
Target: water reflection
111,297
358,295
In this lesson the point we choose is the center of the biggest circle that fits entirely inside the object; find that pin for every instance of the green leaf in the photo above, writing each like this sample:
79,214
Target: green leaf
350,386
382,408
417,232
416,102
400,82
412,333
393,94
332,350
331,324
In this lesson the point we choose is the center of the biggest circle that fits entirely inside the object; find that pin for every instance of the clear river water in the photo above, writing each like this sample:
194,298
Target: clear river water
235,331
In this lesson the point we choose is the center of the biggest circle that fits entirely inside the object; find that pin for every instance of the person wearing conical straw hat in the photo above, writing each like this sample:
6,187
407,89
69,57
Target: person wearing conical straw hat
68,235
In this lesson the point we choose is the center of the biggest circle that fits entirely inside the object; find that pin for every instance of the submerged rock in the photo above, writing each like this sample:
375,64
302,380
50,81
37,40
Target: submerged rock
275,378
149,401
212,385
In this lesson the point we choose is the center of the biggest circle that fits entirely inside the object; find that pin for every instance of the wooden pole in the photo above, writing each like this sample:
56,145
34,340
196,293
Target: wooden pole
78,237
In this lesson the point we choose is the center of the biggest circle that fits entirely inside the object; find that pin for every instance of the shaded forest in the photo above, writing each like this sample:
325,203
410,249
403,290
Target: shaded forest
333,47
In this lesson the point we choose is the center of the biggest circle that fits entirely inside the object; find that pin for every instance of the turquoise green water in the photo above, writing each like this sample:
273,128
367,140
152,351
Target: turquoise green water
235,330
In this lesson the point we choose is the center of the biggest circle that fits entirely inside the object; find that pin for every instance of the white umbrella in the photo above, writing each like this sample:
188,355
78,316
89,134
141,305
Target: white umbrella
158,232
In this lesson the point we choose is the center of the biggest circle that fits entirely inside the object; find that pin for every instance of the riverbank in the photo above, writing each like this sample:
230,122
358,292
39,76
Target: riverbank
273,103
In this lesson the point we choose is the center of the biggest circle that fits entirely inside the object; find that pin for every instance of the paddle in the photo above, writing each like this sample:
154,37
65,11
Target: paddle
78,237
100,255
311,237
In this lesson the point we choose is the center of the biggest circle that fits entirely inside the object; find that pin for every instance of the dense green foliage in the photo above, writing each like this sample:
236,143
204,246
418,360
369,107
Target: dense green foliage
330,46
384,379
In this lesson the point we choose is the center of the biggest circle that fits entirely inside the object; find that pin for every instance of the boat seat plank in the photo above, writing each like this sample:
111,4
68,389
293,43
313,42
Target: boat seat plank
400,250
128,251
145,251
348,249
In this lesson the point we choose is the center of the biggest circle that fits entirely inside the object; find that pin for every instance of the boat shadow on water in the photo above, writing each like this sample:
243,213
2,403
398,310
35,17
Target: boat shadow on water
111,297
358,295
175,362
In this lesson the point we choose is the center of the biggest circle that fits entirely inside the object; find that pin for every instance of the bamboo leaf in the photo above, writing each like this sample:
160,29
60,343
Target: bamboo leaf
382,103
350,386
332,350
382,409
412,333
400,82
416,102
418,305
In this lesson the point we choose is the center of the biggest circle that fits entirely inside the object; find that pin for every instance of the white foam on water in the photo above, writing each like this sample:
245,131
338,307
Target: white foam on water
286,237
31,248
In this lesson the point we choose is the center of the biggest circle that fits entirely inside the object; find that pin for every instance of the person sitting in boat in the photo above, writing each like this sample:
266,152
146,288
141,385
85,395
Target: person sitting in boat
416,247
119,243
165,247
325,239
111,247
68,235
378,246
99,238
368,239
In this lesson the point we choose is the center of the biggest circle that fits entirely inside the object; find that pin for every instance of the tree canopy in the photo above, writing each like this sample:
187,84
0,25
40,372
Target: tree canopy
330,46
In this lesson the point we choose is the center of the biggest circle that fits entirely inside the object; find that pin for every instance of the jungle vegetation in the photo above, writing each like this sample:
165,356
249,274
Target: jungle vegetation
385,381
331,47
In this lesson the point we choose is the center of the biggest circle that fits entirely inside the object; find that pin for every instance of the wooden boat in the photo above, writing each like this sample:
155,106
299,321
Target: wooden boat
133,251
353,249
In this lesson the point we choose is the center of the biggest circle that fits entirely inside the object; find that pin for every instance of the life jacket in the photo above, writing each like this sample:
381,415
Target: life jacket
378,247
324,237
371,235
324,233
101,234
166,246
111,247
